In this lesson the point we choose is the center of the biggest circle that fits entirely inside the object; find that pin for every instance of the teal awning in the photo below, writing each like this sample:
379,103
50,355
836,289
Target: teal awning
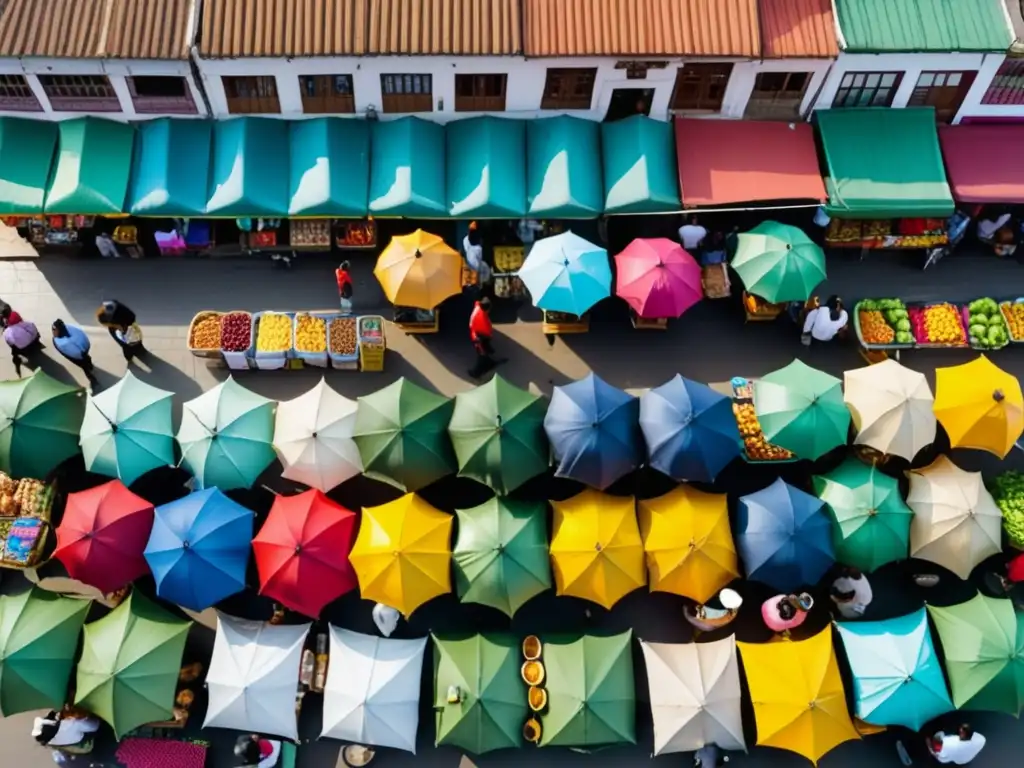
487,168
249,174
94,162
639,161
330,167
26,154
171,168
563,168
407,169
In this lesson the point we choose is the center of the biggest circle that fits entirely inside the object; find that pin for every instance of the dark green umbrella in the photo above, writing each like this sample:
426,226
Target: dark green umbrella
402,435
501,554
497,431
778,262
39,423
38,640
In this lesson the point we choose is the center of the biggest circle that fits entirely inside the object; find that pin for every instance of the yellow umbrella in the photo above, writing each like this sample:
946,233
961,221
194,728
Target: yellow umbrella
419,270
797,693
402,553
980,405
596,552
688,542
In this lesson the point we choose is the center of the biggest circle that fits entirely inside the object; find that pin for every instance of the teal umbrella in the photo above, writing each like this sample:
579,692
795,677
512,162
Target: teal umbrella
127,430
778,262
226,436
801,409
39,422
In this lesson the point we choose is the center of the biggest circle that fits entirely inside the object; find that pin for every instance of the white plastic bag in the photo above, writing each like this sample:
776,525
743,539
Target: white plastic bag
386,618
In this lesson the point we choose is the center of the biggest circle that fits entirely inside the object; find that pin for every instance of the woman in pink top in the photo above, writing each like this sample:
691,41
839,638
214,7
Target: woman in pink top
783,613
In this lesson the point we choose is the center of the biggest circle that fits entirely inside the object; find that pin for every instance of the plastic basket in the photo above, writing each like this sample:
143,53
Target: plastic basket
209,354
270,361
239,361
318,359
860,335
344,362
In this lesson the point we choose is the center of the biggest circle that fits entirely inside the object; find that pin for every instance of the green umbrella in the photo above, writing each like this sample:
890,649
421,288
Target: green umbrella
130,664
38,641
501,554
871,521
497,430
401,433
778,262
801,409
39,422
127,430
482,673
591,700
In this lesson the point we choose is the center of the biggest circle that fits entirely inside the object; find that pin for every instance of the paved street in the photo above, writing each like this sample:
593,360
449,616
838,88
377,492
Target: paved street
710,343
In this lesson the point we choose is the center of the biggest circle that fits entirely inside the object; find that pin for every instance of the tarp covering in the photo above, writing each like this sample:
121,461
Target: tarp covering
407,169
94,161
486,168
563,180
26,154
879,26
330,167
249,174
638,156
170,168
984,163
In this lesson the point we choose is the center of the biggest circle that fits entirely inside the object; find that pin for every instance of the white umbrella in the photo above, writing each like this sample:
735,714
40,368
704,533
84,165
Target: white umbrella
372,694
891,407
695,695
254,676
313,438
956,522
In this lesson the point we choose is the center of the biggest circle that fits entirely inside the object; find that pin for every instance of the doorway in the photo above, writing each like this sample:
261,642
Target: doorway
626,102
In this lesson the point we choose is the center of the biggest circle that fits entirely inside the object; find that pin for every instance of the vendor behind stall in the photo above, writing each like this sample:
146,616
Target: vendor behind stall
473,247
998,232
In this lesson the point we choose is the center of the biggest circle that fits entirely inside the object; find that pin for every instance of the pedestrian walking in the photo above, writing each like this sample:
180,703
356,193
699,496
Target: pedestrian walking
707,617
22,337
344,280
74,346
121,324
851,593
480,333
784,613
959,748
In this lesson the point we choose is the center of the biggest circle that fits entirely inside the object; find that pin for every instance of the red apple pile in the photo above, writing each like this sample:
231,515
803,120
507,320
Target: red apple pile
235,332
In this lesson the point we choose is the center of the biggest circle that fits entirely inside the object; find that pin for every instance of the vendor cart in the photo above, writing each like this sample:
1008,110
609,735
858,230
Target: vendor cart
417,322
562,323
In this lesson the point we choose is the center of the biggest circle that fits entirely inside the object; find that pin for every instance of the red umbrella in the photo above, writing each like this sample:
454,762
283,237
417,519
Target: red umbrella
103,534
1015,570
302,552
657,278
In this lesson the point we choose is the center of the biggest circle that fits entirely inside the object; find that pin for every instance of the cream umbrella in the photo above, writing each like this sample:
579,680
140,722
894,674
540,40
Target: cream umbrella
891,407
313,438
695,695
956,522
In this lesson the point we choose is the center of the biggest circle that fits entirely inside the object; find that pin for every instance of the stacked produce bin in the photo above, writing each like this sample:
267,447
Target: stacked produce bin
371,343
273,338
204,335
310,335
236,340
343,339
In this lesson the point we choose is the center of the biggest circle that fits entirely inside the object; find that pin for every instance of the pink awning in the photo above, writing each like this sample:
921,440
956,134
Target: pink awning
984,163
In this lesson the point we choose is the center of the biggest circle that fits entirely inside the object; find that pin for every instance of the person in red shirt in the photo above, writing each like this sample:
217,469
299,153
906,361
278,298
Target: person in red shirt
480,333
344,280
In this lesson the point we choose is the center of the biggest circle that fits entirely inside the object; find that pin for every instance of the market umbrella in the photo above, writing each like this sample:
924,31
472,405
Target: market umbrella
39,422
797,693
226,436
688,543
199,549
372,693
402,435
103,533
695,695
39,633
302,552
801,409
501,554
419,270
891,407
778,262
956,522
497,431
130,663
784,536
313,438
690,430
980,406
483,673
871,524
983,644
565,273
596,551
657,278
253,676
591,698
594,431
897,679
402,553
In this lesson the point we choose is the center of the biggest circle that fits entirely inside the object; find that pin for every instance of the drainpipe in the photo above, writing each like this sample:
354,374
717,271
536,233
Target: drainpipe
193,61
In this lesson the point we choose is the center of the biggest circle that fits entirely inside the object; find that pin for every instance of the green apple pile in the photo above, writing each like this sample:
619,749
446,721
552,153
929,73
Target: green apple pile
986,326
1008,491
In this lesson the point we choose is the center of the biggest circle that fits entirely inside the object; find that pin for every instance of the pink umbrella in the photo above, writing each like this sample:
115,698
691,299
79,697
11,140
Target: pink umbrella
657,278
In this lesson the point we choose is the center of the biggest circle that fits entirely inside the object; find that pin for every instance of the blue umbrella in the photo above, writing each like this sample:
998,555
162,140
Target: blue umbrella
784,537
593,430
566,273
198,550
897,679
690,430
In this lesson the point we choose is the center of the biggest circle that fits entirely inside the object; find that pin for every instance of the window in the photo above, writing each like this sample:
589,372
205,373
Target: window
943,90
327,94
701,87
480,93
17,96
80,93
252,95
777,95
153,95
867,89
1008,85
407,93
569,89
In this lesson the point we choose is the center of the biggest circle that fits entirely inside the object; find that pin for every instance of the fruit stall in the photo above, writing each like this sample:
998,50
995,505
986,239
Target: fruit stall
507,261
756,449
898,234
25,507
355,235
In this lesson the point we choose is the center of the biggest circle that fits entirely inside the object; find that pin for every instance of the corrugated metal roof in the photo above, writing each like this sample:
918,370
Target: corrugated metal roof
433,27
940,26
641,28
150,29
795,28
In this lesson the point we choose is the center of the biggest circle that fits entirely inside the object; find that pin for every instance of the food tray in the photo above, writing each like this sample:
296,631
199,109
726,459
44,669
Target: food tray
965,318
860,336
240,361
743,395
927,345
208,354
1006,319
344,362
270,361
319,359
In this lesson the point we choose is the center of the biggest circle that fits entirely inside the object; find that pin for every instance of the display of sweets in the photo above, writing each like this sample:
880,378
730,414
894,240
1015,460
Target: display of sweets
20,543
310,333
343,336
275,333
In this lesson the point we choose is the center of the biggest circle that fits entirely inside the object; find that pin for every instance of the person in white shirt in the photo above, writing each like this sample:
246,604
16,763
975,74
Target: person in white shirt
851,593
473,247
61,730
106,246
959,748
823,323
987,228
692,234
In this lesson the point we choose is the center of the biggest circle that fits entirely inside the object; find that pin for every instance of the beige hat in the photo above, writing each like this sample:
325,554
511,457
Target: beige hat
730,599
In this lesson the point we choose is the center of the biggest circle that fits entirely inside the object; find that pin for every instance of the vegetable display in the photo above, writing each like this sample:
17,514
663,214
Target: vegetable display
884,321
1013,314
1008,491
986,326
938,324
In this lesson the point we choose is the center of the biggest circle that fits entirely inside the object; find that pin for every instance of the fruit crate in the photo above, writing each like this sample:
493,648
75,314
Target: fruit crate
239,361
271,361
207,354
319,359
344,362
743,397
1004,310
965,316
870,345
943,345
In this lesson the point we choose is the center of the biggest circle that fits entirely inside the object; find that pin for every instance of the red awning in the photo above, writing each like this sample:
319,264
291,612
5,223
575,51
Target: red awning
739,161
984,163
